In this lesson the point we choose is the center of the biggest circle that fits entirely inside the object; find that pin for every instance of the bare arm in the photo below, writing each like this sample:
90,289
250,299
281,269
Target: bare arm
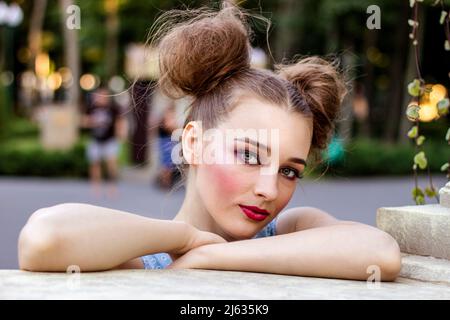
328,248
121,128
96,238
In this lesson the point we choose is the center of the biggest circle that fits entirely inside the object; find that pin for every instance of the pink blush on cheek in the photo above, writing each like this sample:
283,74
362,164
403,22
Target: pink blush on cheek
224,179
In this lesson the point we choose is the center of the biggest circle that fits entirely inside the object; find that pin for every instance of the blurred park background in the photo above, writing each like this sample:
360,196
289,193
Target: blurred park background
55,54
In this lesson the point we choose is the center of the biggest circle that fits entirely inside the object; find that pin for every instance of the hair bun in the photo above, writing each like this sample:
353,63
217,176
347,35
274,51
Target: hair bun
322,86
197,56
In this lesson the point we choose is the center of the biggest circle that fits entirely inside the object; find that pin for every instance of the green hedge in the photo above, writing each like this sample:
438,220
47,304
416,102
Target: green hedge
25,157
19,128
371,157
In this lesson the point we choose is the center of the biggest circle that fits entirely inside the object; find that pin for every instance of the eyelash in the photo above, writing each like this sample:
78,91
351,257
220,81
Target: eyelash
297,174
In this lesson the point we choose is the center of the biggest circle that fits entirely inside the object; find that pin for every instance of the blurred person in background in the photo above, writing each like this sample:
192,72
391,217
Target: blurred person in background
107,126
166,126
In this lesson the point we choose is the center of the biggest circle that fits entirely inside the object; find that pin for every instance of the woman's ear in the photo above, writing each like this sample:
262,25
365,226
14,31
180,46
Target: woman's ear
192,142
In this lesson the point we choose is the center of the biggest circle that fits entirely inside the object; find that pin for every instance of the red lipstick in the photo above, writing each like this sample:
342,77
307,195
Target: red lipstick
254,213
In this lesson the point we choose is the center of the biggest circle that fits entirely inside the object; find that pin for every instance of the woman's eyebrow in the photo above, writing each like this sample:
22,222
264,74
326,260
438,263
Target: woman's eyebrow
253,142
258,144
298,160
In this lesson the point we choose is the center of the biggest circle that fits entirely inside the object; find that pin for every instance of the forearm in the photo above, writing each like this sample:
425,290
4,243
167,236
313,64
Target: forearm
93,238
121,129
339,251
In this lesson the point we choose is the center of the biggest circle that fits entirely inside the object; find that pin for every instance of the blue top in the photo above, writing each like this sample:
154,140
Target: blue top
163,260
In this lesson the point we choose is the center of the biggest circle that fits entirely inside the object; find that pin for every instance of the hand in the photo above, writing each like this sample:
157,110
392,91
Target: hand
196,238
190,260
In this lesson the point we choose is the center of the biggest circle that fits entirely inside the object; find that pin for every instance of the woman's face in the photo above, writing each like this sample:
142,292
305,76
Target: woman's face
236,172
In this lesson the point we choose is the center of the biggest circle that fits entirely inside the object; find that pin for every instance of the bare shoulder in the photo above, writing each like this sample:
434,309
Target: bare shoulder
302,218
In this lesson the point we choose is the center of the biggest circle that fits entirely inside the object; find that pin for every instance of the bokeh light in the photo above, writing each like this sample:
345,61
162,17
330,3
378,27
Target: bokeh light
116,84
89,82
54,81
42,65
6,78
438,92
428,112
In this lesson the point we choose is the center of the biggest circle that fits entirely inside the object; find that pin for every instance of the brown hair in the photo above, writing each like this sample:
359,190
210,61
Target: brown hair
208,58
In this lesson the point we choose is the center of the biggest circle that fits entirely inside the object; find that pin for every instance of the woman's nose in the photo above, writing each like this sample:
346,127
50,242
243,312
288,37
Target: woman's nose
267,186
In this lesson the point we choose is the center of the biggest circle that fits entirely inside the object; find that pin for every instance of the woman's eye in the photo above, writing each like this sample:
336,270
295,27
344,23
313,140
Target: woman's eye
290,173
249,157
252,158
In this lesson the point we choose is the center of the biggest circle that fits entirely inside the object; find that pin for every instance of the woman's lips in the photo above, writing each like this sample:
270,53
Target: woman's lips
257,216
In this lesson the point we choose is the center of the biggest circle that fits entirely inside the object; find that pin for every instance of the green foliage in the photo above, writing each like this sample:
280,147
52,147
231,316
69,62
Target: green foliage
430,192
18,128
420,140
443,106
418,195
412,112
422,91
412,133
414,88
25,157
136,18
365,157
421,160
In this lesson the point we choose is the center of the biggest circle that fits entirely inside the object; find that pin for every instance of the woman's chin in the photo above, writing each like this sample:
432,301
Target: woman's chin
244,234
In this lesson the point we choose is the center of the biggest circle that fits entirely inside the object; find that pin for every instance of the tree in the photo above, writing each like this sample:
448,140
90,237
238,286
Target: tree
395,111
287,35
71,53
35,31
112,30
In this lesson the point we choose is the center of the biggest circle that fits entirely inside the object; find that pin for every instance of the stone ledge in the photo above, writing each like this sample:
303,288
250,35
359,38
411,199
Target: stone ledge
421,230
425,268
206,284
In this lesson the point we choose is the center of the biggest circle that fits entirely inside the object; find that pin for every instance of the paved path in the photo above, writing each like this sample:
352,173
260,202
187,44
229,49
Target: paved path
350,199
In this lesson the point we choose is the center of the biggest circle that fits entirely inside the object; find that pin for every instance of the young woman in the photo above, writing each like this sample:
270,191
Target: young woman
231,217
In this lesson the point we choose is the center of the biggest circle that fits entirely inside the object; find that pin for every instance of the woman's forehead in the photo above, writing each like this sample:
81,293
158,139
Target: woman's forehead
269,128
253,117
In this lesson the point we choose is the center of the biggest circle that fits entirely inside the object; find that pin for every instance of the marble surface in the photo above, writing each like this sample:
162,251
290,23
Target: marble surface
205,284
420,230
425,268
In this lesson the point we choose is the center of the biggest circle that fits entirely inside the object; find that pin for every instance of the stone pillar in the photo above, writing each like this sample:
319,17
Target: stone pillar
420,229
444,195
58,127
